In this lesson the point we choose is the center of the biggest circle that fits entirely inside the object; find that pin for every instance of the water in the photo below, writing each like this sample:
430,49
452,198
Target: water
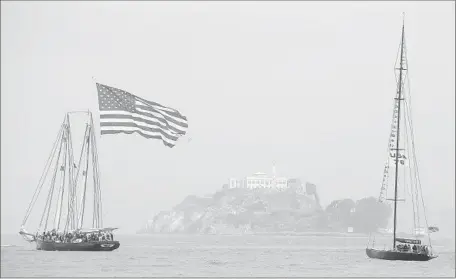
219,256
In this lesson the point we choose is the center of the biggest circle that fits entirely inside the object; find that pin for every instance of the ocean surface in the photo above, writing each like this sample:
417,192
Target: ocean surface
220,256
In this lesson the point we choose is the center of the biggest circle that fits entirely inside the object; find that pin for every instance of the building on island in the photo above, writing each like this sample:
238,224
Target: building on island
260,180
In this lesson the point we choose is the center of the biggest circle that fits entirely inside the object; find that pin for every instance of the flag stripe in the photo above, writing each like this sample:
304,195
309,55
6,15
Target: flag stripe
139,126
113,131
118,115
152,112
181,127
162,108
178,120
169,111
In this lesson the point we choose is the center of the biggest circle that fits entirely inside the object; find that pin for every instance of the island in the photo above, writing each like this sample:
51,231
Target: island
263,210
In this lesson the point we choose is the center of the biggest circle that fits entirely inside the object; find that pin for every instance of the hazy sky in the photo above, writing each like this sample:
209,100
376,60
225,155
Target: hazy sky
308,85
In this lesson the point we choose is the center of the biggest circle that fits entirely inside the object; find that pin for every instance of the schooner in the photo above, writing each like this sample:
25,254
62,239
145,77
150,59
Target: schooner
64,224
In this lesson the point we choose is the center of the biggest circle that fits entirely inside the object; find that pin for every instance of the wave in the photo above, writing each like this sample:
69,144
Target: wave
8,245
216,262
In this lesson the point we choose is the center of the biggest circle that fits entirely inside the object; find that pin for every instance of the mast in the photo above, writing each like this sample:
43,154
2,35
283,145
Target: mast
83,198
70,224
58,212
398,100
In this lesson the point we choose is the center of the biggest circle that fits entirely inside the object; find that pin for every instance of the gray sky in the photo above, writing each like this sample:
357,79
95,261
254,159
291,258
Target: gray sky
309,85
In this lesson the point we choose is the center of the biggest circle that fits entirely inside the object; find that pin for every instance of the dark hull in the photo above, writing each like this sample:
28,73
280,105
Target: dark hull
397,256
83,246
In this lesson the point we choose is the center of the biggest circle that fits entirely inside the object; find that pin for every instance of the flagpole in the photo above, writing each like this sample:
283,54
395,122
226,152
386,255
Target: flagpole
96,164
91,114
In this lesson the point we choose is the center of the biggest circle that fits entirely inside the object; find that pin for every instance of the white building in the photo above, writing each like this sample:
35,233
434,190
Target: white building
260,180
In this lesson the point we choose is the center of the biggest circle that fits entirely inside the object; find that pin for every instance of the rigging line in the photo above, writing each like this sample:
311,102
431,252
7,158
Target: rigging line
95,194
417,171
385,182
404,172
420,188
94,213
413,179
73,203
47,199
85,182
386,168
77,174
51,192
73,179
80,157
68,164
70,207
406,118
95,220
62,189
42,178
397,58
408,111
52,189
70,173
62,181
100,200
46,169
96,179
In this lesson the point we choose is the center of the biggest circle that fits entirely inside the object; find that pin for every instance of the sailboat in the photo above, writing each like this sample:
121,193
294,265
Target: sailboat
401,158
61,226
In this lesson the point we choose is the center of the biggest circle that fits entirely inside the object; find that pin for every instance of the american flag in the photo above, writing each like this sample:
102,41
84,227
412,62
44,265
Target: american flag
123,112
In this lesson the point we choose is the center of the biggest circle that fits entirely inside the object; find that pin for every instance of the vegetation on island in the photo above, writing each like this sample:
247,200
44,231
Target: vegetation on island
234,211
